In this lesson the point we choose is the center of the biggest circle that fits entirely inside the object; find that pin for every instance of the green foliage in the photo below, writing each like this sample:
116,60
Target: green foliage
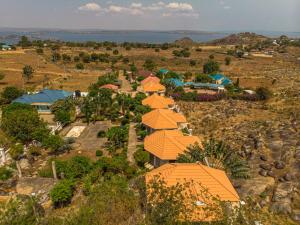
263,93
74,168
227,61
149,64
28,72
5,173
141,157
187,75
118,136
218,155
24,42
10,93
115,52
39,51
203,78
76,58
53,143
182,53
16,151
62,193
79,66
193,63
22,210
56,57
21,121
211,67
101,134
99,153
172,74
34,150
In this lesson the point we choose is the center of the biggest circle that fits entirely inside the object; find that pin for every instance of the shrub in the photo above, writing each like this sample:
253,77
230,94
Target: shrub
115,52
76,58
34,150
62,193
263,93
79,66
211,67
101,134
53,143
141,157
5,173
203,78
227,61
46,172
16,151
193,63
11,93
39,51
99,153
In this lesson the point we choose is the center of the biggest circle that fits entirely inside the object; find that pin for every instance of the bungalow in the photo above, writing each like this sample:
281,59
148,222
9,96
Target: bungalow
163,71
163,119
5,47
203,185
220,79
153,87
43,100
110,87
153,79
158,102
164,146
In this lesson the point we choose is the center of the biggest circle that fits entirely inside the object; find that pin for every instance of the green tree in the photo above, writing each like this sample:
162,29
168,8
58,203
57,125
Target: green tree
53,143
24,42
227,61
141,157
10,93
203,78
62,193
211,67
115,52
117,136
218,155
79,66
149,64
28,72
21,121
87,109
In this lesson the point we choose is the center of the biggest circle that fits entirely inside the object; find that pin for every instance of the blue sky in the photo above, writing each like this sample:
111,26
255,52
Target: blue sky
209,15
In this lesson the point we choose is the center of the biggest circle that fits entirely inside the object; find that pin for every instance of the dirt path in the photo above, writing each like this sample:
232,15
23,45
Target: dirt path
132,143
126,87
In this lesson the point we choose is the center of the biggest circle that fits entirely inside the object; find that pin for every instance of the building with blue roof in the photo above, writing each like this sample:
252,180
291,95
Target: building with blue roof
163,71
5,47
43,99
220,79
176,82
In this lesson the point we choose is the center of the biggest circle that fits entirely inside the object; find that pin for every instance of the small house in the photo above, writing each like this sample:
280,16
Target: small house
5,47
151,87
158,102
220,79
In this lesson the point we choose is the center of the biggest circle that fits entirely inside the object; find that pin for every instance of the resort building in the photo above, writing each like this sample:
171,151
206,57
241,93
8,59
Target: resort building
158,102
110,87
163,119
164,146
43,100
220,79
203,184
153,87
150,79
5,47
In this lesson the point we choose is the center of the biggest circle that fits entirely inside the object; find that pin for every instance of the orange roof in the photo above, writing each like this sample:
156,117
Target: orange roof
198,176
158,102
153,87
110,86
150,79
160,119
168,144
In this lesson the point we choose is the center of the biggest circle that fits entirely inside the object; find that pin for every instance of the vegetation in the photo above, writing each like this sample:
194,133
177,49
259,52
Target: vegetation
141,157
5,173
211,67
217,155
263,93
28,72
62,193
10,93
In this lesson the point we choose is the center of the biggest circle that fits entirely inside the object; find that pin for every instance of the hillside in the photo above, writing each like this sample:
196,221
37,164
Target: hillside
240,38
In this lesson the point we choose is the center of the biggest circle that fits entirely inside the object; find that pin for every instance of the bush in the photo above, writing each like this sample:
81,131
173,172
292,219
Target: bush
115,52
34,150
211,67
79,66
227,61
193,63
11,93
263,93
141,157
101,134
203,78
53,143
62,193
16,151
99,153
5,173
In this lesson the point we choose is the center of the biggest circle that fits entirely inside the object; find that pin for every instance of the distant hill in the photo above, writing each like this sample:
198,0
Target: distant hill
240,38
186,41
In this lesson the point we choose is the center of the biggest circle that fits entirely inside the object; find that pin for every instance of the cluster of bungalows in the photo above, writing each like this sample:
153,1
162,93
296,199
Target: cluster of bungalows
166,141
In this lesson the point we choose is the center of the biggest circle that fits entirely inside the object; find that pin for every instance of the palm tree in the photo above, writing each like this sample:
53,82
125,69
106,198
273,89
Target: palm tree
218,155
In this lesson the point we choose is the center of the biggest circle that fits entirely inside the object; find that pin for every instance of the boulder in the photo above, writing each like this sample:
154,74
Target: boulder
279,165
265,166
276,145
24,164
263,173
263,158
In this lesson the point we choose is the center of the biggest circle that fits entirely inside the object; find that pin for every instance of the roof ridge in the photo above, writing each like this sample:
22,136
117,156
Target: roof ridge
203,167
166,117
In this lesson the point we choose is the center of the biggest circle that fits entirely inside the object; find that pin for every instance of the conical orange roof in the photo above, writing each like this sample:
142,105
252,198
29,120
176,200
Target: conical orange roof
158,102
150,79
153,87
160,119
168,144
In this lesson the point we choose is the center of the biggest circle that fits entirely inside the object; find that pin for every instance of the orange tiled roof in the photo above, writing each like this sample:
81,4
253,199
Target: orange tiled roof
150,79
168,144
110,86
199,176
160,119
158,102
153,87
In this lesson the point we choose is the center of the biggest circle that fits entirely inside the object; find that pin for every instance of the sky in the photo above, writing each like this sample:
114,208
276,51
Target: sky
203,15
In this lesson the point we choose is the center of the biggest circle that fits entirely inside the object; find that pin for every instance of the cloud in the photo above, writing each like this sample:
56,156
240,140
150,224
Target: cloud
136,5
94,7
180,6
227,7
115,9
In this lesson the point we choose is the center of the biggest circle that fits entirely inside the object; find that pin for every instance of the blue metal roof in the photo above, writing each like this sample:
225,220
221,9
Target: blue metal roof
225,80
208,85
163,71
176,82
44,96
